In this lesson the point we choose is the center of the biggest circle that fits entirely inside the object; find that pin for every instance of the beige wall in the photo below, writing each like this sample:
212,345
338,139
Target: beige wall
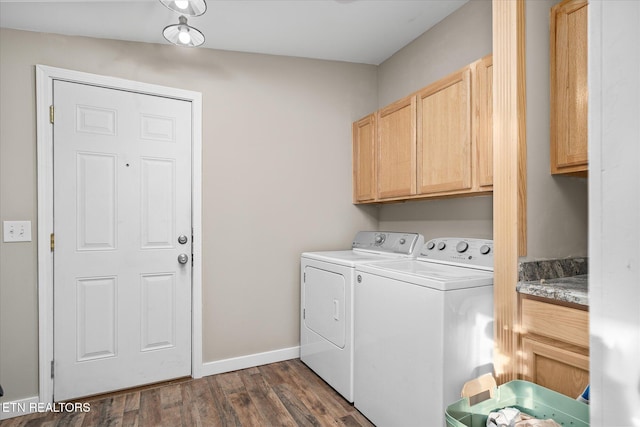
276,181
456,41
276,160
557,206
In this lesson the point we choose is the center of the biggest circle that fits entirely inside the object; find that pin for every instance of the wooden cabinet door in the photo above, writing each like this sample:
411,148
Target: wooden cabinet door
555,345
569,98
483,120
444,134
397,149
560,368
364,154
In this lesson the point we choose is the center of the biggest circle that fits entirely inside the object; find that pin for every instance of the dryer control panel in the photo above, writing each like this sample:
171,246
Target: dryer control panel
388,242
475,253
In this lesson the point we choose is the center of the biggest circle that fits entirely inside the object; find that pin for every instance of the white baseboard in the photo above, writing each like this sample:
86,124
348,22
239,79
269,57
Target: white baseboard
18,407
249,361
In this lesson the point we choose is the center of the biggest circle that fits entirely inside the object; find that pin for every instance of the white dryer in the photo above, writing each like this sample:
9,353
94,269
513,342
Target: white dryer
327,287
423,327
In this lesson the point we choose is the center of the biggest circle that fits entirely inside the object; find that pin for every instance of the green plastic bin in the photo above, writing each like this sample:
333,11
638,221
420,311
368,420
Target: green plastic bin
529,398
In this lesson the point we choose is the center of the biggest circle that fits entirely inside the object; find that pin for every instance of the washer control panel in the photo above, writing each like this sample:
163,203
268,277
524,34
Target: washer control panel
477,253
388,241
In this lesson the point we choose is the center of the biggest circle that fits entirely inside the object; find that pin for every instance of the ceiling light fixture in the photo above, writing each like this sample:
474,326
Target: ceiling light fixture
186,7
182,34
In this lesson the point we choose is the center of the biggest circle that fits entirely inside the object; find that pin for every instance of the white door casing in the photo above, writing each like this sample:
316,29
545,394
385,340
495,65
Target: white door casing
112,239
122,195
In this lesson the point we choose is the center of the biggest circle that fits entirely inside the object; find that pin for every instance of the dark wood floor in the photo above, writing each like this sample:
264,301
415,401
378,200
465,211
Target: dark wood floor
281,394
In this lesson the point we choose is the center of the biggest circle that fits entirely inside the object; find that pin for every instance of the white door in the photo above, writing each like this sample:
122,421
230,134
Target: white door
122,197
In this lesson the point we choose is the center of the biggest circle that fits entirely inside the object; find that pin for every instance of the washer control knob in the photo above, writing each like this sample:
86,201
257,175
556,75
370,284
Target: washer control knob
380,238
485,249
403,241
431,245
462,246
442,245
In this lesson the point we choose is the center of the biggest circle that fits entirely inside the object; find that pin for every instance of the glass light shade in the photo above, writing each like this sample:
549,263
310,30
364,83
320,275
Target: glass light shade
186,7
182,34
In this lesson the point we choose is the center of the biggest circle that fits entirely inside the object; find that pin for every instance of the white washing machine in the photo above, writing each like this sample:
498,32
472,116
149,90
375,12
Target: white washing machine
423,328
326,315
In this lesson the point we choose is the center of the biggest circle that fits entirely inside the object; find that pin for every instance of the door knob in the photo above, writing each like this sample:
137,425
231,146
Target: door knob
183,258
182,239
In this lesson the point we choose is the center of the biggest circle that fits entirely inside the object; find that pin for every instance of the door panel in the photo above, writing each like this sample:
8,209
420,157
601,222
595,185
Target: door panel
569,97
325,304
364,162
92,119
96,201
444,135
157,202
122,195
397,149
97,318
158,311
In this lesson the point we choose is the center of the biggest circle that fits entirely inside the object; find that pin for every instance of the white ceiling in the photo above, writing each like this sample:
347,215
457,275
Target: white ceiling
362,31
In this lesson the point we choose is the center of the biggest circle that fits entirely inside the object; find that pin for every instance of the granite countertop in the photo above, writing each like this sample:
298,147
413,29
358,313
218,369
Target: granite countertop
572,289
558,279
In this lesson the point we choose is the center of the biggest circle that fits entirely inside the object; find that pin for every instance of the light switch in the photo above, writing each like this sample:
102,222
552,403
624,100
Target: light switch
16,231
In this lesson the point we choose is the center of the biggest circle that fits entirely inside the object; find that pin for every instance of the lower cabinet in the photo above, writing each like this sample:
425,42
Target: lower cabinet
555,346
556,366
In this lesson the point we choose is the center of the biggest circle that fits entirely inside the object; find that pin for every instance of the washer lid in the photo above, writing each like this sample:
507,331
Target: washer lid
432,275
349,258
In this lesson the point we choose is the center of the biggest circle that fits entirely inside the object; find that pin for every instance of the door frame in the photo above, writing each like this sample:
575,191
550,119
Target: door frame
45,76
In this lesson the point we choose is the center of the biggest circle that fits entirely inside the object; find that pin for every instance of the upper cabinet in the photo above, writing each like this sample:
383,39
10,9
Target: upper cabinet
569,97
444,134
364,152
397,149
482,72
435,142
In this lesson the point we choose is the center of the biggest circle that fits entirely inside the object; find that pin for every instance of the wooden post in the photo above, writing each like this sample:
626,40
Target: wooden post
509,187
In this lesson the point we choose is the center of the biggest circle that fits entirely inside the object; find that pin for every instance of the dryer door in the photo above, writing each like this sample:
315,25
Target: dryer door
324,310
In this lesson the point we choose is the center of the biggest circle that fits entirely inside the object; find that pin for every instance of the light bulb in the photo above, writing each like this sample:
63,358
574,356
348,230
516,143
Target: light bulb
184,36
181,4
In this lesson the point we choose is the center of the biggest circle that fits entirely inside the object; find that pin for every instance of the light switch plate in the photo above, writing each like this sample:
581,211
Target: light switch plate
16,231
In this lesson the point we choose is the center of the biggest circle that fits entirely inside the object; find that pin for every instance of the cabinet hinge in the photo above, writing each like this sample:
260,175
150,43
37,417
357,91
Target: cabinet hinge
304,313
52,241
51,114
304,277
52,369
